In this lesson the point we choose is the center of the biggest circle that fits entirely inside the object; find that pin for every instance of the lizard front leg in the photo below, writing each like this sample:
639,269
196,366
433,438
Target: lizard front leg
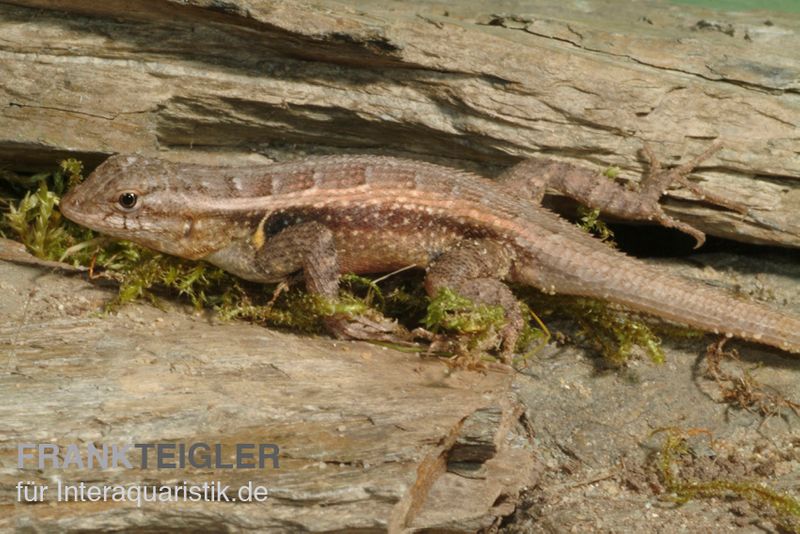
310,247
593,189
474,269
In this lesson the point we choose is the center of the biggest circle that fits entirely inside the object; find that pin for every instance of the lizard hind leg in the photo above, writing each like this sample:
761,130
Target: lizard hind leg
532,177
474,270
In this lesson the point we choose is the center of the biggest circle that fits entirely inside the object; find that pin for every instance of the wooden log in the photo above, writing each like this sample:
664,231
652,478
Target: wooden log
225,81
365,434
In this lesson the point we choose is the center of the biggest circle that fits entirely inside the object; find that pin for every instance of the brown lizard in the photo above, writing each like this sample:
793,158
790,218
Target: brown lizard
324,216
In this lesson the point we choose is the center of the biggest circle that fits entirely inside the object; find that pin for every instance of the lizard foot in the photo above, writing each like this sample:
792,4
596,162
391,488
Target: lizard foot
470,301
367,328
658,179
474,345
453,349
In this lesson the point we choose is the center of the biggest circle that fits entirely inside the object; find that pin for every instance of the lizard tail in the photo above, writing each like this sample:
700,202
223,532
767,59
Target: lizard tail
641,287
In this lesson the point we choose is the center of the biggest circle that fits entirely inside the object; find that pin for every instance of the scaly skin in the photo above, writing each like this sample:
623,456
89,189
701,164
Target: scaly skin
364,214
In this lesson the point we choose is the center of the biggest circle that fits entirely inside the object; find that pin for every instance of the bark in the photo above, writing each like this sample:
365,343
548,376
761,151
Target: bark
365,435
469,85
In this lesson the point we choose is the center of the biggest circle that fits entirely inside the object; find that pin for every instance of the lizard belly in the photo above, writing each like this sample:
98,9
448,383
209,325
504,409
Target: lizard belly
239,259
358,251
365,251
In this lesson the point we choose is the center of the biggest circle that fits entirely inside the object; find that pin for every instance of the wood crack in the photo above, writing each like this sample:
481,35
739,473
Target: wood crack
720,77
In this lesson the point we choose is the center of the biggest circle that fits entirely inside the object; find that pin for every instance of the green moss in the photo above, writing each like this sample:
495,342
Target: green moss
141,271
73,170
37,224
373,297
470,329
615,333
35,220
293,309
589,220
532,339
675,448
473,323
611,172
450,311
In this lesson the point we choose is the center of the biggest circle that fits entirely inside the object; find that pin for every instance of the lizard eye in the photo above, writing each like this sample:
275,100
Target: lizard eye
128,199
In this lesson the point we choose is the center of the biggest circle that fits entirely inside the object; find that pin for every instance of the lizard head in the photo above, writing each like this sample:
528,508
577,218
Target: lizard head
142,200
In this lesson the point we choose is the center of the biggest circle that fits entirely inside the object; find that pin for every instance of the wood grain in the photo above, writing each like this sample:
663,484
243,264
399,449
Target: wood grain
467,85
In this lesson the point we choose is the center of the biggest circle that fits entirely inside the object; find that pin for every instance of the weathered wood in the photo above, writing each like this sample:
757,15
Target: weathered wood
468,84
370,436
364,433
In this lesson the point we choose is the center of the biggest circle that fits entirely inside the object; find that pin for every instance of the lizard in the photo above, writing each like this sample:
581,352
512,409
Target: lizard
326,215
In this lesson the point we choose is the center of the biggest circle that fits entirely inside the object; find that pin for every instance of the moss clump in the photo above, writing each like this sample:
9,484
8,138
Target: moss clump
475,325
589,220
473,328
35,221
611,172
38,225
675,450
289,308
615,333
450,311
399,294
140,271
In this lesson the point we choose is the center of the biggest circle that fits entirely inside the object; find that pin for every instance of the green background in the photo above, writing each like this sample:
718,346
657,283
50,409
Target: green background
788,6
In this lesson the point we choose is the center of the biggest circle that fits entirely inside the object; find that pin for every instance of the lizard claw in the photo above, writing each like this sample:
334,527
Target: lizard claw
665,220
657,180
